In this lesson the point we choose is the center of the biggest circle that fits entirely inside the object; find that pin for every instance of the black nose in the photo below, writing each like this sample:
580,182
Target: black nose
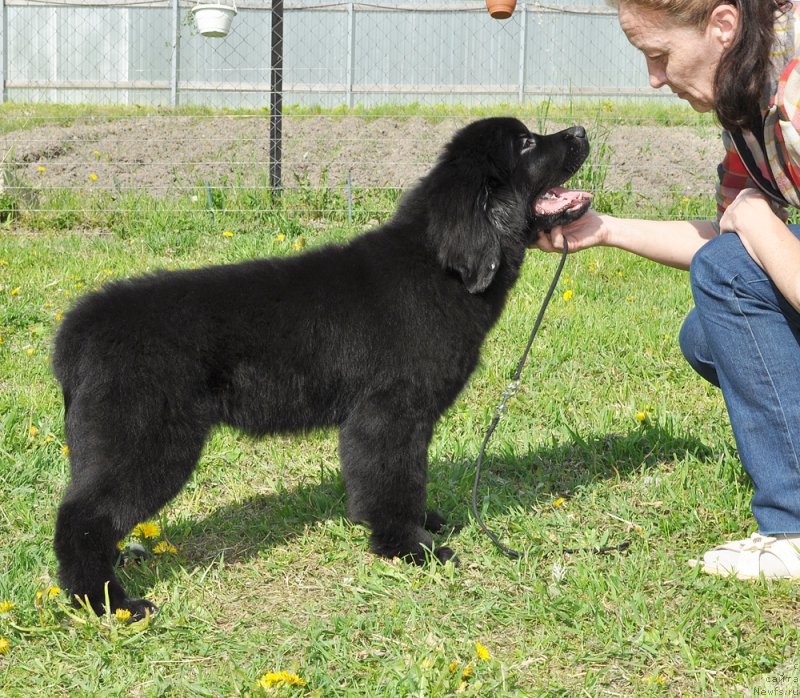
577,132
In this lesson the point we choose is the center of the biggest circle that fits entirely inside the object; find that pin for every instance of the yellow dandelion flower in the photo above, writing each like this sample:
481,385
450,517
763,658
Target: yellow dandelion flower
641,416
123,615
467,672
50,593
147,530
93,177
59,316
227,234
280,678
108,272
453,666
426,663
96,152
567,294
65,450
559,502
300,243
280,238
30,352
482,652
6,607
33,431
3,262
48,439
120,545
5,646
42,168
163,547
1,339
657,679
15,291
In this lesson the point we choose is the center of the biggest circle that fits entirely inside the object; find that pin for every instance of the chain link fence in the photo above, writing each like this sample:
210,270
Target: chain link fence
313,96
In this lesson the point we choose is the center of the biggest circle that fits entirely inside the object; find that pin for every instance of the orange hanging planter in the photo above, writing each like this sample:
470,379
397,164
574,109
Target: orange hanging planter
501,9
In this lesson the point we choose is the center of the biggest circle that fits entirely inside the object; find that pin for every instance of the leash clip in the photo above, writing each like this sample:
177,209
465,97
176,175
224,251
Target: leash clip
508,393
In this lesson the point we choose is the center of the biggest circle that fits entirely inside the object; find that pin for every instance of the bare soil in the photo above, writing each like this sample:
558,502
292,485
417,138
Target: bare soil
164,155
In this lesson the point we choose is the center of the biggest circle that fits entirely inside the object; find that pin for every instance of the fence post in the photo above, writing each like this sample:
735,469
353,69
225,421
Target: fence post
351,49
176,40
523,34
276,97
3,50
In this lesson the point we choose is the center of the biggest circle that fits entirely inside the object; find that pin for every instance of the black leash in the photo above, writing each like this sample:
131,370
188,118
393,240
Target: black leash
509,392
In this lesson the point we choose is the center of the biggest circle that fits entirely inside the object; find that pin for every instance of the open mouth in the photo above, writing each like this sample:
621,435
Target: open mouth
560,200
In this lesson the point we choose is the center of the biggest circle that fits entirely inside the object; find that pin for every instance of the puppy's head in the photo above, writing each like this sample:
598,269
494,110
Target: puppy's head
494,188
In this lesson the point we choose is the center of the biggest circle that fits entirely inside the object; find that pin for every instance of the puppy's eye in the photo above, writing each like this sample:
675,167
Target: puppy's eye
528,143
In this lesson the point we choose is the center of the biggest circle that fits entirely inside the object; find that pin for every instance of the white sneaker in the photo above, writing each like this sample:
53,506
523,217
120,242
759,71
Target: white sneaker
771,557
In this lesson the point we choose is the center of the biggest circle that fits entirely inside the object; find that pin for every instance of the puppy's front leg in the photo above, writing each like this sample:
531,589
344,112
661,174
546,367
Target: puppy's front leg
383,446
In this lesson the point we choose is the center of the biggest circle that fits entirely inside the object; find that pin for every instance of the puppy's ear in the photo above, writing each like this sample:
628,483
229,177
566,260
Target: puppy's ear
461,226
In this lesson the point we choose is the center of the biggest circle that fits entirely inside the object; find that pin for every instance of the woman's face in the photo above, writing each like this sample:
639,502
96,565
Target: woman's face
682,57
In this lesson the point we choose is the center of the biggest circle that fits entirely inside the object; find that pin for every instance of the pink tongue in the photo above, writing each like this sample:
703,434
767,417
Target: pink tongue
559,199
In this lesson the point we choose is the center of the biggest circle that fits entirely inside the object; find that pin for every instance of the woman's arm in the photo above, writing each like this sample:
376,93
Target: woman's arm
673,243
767,240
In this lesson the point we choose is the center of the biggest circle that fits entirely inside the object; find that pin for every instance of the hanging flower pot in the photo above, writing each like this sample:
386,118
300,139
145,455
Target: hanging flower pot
214,19
501,9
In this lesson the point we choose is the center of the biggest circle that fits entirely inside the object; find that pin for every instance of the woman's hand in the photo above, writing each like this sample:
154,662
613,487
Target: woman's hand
749,215
587,231
767,240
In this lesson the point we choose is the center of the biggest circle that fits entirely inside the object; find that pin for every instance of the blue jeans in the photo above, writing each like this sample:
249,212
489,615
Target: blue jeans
744,337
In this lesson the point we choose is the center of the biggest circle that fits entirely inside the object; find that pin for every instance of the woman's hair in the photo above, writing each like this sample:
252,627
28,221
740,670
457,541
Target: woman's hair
745,68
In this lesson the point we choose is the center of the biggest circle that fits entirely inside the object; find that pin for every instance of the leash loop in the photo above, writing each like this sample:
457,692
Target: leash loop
508,393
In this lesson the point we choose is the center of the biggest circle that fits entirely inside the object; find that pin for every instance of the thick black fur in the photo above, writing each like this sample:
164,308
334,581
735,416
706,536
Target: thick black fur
375,337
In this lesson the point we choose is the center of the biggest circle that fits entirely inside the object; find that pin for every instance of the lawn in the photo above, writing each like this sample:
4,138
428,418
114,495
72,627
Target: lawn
266,588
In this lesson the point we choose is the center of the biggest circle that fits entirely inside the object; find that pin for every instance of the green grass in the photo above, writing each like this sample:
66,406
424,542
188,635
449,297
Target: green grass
268,573
16,115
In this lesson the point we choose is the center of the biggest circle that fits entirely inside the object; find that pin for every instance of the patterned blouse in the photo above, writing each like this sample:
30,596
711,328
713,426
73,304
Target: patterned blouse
770,160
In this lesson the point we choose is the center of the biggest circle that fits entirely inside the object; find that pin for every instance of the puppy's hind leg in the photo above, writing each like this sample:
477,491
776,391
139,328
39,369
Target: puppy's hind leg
118,480
383,449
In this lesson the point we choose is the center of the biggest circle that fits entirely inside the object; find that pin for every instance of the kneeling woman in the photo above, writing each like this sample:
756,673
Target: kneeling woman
741,61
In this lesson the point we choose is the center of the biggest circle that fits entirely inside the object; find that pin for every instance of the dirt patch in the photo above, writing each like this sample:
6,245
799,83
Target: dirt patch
165,155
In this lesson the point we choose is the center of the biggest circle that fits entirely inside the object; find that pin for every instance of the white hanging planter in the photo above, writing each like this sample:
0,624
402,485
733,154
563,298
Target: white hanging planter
214,19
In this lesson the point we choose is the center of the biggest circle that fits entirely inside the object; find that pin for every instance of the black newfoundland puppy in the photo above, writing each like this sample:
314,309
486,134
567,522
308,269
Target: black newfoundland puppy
375,337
